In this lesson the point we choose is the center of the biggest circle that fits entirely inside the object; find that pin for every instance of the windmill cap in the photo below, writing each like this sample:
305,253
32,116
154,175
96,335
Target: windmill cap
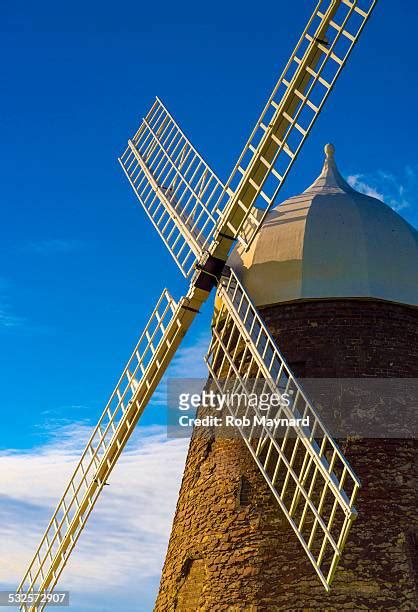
330,242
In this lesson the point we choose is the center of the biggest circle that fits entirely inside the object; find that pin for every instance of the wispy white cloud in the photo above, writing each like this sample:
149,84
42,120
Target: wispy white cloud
53,246
398,191
189,360
127,535
358,181
8,319
123,547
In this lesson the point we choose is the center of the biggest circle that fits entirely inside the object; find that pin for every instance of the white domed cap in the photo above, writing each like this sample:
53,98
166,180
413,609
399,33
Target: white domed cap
331,242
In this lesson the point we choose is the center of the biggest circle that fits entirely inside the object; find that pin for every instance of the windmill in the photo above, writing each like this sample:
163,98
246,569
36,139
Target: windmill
199,218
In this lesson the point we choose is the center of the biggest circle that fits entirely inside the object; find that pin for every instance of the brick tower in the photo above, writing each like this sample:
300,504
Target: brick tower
334,273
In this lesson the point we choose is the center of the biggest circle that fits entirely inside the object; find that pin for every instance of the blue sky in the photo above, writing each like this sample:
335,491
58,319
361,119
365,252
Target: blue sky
82,268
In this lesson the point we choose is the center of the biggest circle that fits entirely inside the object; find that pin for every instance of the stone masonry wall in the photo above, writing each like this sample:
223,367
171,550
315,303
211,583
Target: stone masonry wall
232,549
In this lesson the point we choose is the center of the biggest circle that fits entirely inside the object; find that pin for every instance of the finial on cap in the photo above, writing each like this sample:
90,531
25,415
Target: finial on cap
329,151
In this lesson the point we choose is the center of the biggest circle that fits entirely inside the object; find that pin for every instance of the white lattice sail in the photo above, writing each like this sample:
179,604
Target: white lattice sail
291,112
304,467
179,192
150,358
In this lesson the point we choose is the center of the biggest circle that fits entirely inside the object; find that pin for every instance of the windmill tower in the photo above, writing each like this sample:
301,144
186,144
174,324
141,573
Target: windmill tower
199,220
342,303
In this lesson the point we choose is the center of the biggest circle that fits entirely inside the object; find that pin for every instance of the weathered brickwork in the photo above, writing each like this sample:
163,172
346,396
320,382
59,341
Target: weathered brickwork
232,549
347,338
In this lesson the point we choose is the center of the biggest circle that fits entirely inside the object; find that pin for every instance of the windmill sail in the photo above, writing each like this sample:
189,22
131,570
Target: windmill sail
290,113
181,195
150,358
195,214
306,471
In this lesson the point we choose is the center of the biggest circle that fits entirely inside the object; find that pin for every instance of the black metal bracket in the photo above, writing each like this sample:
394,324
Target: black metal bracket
209,273
190,309
226,236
